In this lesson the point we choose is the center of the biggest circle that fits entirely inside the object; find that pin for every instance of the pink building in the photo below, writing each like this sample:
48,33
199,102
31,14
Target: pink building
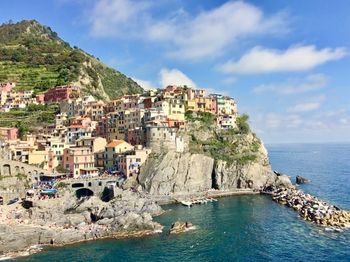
81,121
130,164
40,99
79,161
61,93
8,133
6,86
210,105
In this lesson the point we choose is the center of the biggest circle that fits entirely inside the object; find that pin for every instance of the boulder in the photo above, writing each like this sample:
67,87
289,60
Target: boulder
180,227
301,180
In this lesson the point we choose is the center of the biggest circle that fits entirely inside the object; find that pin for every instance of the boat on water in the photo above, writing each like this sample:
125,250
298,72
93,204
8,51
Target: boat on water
187,203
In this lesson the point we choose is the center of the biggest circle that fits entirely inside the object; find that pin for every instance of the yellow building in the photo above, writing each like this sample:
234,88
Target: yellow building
114,148
39,158
177,109
96,144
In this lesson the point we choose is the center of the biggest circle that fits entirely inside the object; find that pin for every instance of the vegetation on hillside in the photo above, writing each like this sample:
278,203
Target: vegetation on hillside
34,57
30,118
235,146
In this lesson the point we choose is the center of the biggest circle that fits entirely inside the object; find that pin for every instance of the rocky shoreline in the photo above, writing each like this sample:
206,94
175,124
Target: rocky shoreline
59,222
313,209
68,220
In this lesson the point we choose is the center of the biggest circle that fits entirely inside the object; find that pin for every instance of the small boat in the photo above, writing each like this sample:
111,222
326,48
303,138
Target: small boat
187,203
49,191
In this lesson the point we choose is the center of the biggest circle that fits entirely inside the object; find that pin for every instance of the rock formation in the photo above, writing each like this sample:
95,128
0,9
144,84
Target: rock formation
180,227
313,209
67,220
301,180
224,161
177,173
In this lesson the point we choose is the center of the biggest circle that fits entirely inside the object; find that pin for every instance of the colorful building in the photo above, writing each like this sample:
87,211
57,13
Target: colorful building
61,93
79,161
113,149
8,133
130,164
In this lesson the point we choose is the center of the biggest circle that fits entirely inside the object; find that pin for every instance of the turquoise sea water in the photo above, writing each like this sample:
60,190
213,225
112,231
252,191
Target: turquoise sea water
242,228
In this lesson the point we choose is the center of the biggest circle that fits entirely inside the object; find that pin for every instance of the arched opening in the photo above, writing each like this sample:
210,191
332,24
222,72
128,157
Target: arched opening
83,192
107,194
76,185
6,169
89,184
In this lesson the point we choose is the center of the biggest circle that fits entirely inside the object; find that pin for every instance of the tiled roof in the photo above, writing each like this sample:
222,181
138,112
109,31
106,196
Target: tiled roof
76,126
115,143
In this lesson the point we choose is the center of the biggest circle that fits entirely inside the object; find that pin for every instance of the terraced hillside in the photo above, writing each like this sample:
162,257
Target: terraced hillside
34,57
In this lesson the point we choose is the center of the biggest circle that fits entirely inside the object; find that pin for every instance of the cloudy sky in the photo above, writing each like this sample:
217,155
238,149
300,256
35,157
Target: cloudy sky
285,62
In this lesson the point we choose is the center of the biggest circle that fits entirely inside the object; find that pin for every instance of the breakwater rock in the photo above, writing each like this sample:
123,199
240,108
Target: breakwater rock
301,180
68,220
313,209
180,227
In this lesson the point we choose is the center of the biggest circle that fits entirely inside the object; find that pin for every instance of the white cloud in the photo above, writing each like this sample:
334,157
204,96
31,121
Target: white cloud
174,77
304,107
271,120
115,17
188,36
209,33
296,58
294,86
147,85
311,105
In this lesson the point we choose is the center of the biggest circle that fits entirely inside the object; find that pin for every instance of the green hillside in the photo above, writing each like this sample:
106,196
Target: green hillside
34,57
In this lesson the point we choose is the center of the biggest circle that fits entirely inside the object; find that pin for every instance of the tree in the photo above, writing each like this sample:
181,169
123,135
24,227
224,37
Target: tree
22,128
242,124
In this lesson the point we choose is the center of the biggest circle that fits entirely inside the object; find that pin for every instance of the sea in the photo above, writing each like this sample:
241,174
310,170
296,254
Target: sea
242,228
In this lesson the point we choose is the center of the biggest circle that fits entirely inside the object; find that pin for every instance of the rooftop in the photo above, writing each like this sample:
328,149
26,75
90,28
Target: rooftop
115,143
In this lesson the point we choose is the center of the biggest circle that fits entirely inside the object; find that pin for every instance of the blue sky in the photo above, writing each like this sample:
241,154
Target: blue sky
285,62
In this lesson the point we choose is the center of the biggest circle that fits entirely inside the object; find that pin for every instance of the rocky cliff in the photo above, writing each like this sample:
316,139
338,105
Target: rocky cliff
214,159
68,220
177,173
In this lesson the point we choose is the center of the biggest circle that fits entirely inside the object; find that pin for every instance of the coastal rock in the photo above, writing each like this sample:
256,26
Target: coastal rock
312,209
180,227
177,173
301,180
185,173
56,222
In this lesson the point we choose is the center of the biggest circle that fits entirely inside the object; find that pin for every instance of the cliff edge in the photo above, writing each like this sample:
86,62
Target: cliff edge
212,159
